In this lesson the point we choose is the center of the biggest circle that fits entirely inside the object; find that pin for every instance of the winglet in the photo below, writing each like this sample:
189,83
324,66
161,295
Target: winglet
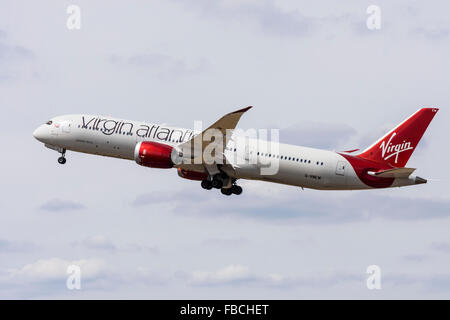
242,110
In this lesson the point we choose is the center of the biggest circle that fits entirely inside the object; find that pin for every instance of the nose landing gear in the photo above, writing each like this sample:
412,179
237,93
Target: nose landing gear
62,159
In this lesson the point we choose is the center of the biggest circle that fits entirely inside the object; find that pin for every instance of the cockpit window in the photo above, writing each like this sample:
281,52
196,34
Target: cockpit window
49,122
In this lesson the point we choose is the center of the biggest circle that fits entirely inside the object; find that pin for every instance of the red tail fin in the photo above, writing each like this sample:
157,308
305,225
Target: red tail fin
397,145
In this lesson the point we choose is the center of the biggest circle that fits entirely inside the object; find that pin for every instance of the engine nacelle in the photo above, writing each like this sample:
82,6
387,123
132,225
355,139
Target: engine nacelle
192,175
155,155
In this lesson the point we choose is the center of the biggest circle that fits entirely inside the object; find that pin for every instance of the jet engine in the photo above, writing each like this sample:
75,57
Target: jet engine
156,155
192,175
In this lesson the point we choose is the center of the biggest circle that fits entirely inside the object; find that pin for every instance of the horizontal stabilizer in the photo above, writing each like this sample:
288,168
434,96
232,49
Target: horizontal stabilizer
350,151
393,173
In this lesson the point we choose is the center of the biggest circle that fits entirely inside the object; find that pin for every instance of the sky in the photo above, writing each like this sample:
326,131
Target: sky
311,69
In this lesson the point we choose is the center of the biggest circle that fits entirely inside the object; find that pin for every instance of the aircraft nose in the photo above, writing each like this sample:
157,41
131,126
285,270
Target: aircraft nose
39,134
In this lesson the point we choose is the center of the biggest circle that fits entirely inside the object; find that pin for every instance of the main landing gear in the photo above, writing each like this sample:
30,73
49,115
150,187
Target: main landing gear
207,184
234,189
220,182
62,159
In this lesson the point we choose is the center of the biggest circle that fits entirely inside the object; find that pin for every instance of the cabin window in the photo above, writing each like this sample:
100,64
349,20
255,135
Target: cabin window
49,122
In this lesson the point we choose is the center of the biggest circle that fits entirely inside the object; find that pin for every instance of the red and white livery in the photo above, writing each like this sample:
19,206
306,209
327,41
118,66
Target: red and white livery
381,165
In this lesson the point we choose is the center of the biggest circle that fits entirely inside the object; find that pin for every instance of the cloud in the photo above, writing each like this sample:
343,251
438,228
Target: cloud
7,246
48,277
147,276
324,280
160,198
102,243
58,205
163,66
227,275
226,242
415,257
269,18
14,60
9,53
275,21
432,34
360,206
436,283
318,135
441,246
97,242
236,274
141,248
292,206
56,269
426,284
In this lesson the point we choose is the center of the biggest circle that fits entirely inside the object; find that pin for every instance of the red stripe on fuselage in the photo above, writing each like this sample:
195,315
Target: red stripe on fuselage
362,166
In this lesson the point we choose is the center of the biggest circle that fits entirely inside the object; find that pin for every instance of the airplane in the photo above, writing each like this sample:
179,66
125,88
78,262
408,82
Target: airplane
381,165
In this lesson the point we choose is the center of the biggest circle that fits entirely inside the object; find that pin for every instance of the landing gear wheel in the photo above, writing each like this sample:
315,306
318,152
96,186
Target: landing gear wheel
235,189
206,184
61,160
226,191
216,183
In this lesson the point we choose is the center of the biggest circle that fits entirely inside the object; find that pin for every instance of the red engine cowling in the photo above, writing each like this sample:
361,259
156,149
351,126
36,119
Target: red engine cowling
192,175
154,155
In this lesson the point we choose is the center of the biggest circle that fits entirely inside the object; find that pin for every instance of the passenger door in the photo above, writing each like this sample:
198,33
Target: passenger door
340,168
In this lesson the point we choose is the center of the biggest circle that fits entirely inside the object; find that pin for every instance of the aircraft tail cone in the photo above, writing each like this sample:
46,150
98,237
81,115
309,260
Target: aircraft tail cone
420,180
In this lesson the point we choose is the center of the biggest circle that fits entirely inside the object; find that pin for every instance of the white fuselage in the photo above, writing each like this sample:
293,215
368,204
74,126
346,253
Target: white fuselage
295,165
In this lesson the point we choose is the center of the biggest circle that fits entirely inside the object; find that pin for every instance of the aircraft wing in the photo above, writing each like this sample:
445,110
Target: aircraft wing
223,127
393,173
